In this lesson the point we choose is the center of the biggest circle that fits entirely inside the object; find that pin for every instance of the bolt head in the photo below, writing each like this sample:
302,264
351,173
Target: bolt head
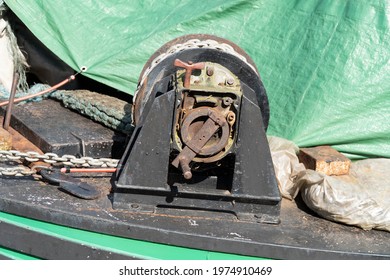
210,71
230,81
187,175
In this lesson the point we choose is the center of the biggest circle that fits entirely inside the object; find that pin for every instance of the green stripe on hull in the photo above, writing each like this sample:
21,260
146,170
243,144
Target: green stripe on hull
135,248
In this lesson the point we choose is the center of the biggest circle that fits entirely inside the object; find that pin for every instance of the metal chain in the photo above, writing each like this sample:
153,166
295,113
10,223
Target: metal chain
52,158
16,171
191,44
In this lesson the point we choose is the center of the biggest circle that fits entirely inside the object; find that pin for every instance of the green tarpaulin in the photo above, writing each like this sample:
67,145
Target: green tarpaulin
325,63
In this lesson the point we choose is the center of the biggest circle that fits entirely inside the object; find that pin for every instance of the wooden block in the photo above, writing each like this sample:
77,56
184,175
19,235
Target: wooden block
324,159
5,139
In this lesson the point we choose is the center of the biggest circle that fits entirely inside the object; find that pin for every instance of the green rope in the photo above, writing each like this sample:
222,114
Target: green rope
107,110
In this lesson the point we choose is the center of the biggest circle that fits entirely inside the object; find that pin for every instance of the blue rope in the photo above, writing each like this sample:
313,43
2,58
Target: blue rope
4,94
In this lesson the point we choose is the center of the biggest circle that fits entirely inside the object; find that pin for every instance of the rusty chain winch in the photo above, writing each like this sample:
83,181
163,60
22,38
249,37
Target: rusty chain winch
204,126
200,114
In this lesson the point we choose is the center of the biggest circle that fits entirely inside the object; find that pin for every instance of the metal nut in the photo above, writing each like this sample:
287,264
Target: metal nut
226,101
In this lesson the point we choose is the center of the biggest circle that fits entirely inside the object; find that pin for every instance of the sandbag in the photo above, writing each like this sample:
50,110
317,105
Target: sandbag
361,198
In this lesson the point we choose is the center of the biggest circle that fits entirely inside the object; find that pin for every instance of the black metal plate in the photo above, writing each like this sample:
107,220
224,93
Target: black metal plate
56,129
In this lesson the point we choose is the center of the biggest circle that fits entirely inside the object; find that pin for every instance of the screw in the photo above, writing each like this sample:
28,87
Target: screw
230,81
227,101
210,71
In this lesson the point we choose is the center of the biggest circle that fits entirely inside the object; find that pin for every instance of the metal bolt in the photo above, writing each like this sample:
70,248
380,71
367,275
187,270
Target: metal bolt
227,101
210,71
230,81
187,175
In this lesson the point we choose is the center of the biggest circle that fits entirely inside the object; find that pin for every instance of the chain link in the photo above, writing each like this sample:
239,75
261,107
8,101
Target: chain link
16,171
52,158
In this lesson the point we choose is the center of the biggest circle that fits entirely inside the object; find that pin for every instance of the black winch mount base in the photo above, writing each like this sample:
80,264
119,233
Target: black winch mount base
248,189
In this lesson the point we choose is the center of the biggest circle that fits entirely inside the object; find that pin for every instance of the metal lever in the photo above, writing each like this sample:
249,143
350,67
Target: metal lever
189,68
194,147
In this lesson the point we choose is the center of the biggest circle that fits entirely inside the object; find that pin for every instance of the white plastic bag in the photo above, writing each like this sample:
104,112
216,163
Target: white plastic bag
361,198
286,165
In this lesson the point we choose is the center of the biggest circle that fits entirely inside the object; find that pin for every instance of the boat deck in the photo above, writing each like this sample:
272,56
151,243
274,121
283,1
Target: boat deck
300,235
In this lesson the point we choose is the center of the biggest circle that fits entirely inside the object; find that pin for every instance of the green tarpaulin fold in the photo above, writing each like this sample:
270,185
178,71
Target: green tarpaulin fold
325,63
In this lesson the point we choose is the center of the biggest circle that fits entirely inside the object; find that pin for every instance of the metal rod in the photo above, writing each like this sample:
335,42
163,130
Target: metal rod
87,170
8,113
67,80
